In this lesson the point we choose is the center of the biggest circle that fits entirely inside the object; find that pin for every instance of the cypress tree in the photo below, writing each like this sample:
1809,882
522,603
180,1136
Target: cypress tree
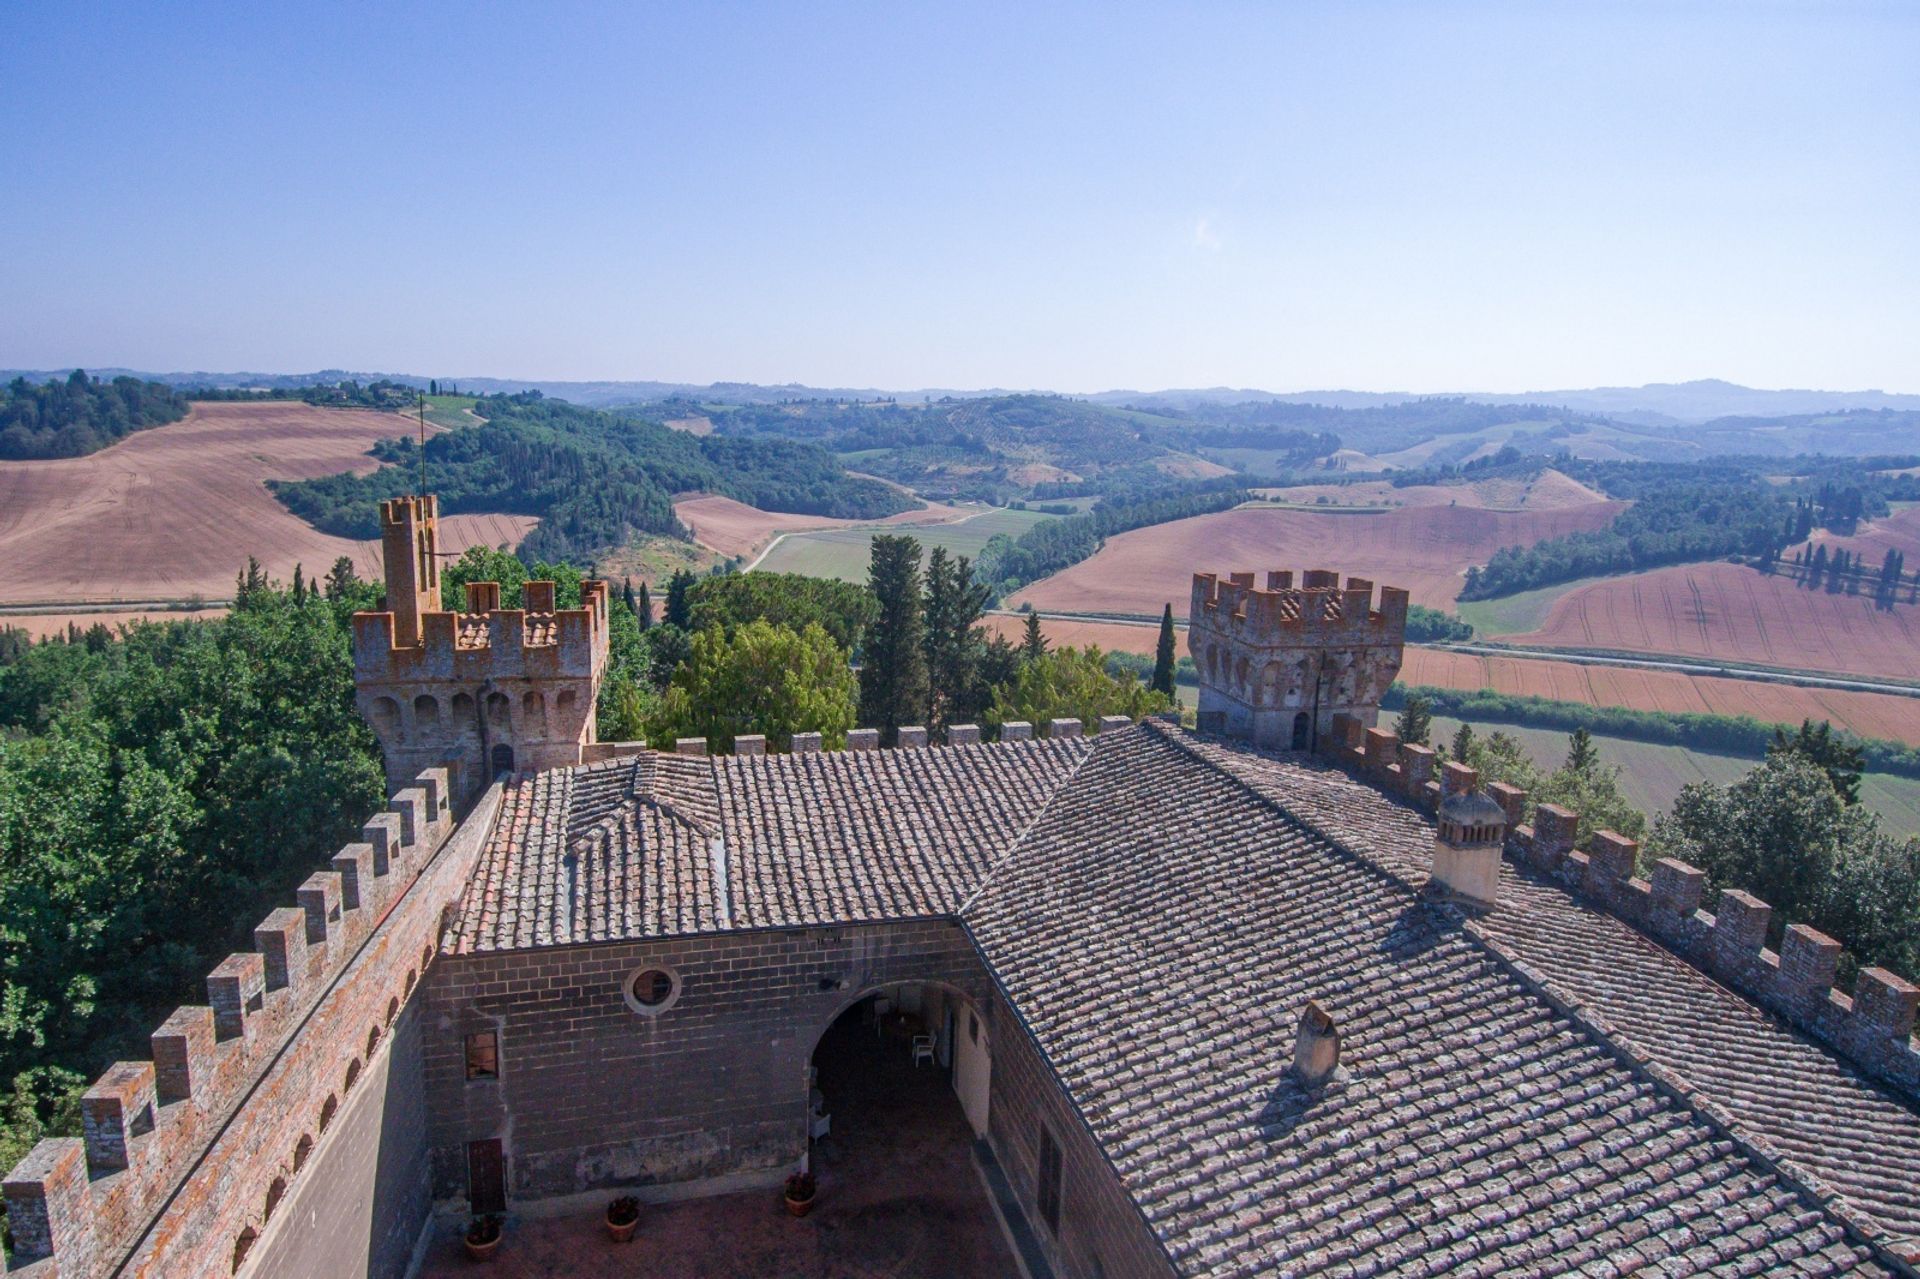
1415,724
893,670
1163,656
954,602
1033,646
644,609
679,607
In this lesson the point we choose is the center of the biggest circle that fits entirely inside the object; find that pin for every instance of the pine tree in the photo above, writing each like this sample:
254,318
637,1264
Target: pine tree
893,670
1163,656
1462,742
1033,646
644,611
1415,724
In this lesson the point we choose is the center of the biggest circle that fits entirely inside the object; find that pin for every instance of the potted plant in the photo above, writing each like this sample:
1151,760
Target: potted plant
623,1218
800,1190
483,1237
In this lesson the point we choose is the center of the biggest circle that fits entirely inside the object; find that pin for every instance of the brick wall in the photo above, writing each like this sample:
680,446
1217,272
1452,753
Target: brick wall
1101,1232
592,1094
359,1207
191,1154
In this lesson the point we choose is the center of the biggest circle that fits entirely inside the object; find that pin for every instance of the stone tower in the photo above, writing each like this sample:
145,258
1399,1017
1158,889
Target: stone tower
479,692
1277,663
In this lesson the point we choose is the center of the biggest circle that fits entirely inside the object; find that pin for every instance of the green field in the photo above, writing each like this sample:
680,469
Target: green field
451,410
1651,774
844,553
1516,614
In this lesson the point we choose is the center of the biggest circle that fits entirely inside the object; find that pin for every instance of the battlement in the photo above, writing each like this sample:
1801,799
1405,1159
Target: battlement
181,1164
489,642
1280,613
1277,663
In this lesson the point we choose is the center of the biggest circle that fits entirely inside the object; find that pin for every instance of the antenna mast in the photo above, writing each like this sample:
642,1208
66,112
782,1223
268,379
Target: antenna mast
420,398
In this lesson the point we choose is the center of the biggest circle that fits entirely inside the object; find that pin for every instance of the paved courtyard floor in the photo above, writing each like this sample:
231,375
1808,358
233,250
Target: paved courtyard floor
898,1197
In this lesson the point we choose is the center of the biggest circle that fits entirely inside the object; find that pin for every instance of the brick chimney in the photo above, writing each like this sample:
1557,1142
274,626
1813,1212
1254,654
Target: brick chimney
1316,1046
1472,829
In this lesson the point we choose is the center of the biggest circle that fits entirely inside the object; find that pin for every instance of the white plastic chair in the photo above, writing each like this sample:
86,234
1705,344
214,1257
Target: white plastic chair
922,1049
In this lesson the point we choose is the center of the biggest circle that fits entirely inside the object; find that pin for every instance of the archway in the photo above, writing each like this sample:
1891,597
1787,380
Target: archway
1302,726
502,758
898,1051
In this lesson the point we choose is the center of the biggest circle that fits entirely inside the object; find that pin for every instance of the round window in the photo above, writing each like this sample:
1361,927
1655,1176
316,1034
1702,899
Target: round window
652,991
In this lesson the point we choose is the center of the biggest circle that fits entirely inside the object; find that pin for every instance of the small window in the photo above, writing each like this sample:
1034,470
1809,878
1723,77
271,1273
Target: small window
652,990
483,1055
1046,1194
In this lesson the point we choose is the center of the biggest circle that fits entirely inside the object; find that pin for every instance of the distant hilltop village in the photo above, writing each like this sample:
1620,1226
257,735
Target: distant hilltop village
1275,996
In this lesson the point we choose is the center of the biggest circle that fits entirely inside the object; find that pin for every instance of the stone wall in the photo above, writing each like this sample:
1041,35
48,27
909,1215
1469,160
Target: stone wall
189,1157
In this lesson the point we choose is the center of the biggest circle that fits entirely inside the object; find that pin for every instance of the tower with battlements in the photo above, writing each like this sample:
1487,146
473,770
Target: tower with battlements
480,692
1278,662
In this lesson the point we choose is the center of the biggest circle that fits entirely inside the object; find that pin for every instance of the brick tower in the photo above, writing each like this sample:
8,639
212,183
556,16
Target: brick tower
480,692
1277,663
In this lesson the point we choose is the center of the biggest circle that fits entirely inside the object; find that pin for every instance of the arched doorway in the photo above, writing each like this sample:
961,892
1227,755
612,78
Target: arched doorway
502,759
900,1048
1302,725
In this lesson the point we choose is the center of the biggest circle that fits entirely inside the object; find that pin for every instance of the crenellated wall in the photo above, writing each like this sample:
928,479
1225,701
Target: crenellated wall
186,1158
1873,1027
1277,664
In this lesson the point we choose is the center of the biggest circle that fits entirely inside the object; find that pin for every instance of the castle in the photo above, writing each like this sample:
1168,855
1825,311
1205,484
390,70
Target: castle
1275,996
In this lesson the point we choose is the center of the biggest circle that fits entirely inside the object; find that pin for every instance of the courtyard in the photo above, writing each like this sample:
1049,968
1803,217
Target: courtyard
898,1196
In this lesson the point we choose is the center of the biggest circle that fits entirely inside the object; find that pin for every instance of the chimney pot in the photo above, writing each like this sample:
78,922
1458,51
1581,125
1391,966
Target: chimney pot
1316,1046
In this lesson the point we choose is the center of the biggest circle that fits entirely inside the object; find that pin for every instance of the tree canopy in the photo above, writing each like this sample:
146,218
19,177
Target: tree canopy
758,678
80,414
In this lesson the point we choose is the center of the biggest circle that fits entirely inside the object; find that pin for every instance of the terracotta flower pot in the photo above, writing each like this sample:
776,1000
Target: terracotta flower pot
481,1245
799,1207
622,1231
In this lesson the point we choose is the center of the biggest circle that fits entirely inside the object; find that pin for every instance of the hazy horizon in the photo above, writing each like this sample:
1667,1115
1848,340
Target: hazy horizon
1478,197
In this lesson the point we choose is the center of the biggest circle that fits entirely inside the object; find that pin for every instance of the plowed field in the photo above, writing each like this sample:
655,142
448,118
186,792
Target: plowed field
175,511
1424,549
1732,613
1885,715
734,528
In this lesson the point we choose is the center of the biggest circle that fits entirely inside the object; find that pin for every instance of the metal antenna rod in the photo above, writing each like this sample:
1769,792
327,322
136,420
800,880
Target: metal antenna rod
421,397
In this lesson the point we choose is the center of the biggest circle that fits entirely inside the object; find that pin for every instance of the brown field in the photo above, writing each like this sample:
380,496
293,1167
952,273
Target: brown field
1425,549
691,425
1886,715
173,512
1898,532
41,625
1548,491
734,528
1728,612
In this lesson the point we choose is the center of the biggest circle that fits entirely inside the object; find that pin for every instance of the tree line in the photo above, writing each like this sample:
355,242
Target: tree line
1007,563
594,479
81,414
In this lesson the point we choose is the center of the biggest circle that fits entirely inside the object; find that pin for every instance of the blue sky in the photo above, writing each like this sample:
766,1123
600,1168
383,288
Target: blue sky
1413,197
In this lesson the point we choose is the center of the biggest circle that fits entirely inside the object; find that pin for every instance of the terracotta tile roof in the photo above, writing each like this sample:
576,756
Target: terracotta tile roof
1833,1123
1159,906
1160,929
664,844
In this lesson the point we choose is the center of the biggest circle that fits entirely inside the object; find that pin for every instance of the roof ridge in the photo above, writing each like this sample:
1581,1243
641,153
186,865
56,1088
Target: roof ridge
1013,846
1640,1064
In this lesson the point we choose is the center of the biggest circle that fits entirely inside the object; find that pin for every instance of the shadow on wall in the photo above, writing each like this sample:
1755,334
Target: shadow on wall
360,1199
